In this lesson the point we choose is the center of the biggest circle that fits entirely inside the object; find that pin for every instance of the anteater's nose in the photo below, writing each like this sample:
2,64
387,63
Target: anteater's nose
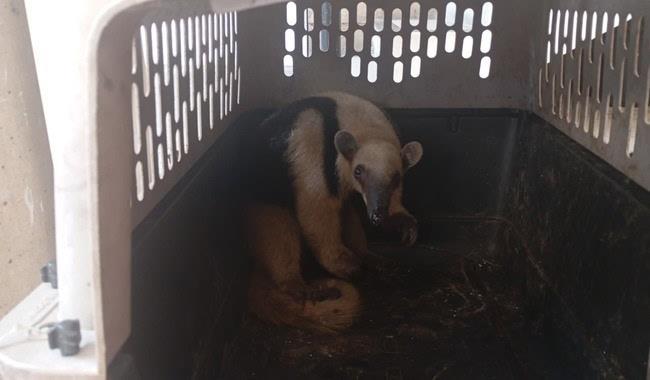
376,218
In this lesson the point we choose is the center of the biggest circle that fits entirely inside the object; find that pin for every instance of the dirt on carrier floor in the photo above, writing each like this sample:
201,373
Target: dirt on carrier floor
444,310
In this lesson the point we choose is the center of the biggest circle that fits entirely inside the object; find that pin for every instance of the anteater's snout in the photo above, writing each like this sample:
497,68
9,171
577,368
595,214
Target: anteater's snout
378,216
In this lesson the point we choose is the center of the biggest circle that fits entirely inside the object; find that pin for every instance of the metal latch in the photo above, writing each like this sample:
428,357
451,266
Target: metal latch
48,274
66,336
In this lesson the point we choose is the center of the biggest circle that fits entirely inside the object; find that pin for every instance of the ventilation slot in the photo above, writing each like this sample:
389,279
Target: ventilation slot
139,181
631,136
397,46
358,40
396,20
416,65
306,46
486,14
135,117
166,58
557,32
379,20
621,88
468,20
355,66
361,13
637,46
415,41
450,41
186,139
466,33
292,13
468,44
290,40
341,49
372,71
484,71
150,158
596,129
486,42
326,14
432,47
308,20
585,126
165,52
375,46
144,48
450,14
324,38
607,131
647,98
344,23
161,162
414,14
574,33
569,110
432,20
398,72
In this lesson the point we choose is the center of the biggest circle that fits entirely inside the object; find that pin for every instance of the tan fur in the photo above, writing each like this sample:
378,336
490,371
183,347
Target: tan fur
354,235
274,241
363,119
331,227
319,214
396,206
278,292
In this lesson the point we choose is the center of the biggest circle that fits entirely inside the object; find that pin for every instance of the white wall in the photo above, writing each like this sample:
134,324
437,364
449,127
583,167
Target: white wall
26,200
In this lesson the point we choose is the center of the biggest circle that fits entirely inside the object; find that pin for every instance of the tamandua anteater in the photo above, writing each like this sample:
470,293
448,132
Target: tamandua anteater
311,156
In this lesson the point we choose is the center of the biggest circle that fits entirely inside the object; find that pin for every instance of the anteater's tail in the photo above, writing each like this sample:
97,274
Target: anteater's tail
334,306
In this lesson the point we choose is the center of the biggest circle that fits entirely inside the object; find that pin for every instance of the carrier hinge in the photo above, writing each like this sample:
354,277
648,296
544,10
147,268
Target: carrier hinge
48,274
66,336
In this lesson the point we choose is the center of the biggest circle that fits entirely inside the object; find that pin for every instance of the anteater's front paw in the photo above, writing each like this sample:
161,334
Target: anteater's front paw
345,264
405,225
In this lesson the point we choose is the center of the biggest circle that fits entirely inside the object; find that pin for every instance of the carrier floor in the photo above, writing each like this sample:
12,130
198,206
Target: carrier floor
449,309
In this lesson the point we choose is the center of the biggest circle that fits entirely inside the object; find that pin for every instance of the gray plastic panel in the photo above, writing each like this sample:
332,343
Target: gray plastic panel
446,79
185,87
593,81
277,53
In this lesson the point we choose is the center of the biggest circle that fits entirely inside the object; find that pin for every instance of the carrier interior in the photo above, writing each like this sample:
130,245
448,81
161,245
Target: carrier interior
523,267
533,257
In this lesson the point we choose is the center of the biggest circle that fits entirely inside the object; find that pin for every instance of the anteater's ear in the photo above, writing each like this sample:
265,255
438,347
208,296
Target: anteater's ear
411,154
346,144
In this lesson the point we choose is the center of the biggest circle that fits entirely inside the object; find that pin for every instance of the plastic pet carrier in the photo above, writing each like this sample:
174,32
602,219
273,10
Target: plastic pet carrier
533,255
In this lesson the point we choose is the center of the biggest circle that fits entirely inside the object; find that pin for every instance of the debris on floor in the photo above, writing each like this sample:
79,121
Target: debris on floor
443,311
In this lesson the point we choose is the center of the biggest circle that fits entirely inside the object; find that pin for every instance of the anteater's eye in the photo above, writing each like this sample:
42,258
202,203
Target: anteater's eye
358,171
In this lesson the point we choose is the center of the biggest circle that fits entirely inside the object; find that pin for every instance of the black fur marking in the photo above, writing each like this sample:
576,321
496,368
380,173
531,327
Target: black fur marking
391,121
266,177
269,172
330,127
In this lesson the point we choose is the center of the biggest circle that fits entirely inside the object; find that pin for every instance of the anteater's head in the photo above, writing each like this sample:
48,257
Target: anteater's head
375,169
